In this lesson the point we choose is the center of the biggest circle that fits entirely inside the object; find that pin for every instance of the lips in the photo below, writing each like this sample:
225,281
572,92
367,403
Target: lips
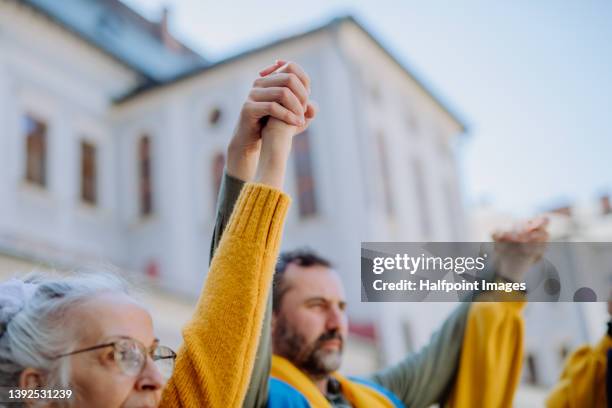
332,343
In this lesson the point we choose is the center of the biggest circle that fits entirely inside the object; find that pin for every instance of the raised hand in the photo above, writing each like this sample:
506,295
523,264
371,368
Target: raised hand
517,249
281,92
277,137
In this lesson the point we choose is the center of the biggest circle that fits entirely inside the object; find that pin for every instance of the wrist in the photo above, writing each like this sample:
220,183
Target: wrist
276,139
513,270
241,162
271,170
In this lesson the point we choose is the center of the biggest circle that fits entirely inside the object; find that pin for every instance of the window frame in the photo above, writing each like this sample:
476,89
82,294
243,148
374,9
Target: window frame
85,141
26,136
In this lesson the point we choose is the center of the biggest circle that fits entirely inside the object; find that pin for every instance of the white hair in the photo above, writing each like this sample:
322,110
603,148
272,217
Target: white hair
34,322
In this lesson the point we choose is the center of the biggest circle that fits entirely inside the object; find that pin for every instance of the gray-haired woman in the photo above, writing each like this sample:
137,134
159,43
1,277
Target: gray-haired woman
86,334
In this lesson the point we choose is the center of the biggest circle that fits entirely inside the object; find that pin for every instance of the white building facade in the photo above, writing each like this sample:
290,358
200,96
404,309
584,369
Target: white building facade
107,161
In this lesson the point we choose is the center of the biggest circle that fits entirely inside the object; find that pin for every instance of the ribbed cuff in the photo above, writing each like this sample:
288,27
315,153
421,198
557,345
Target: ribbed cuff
259,214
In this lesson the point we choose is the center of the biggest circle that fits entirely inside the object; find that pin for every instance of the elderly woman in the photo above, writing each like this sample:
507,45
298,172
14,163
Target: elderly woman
86,334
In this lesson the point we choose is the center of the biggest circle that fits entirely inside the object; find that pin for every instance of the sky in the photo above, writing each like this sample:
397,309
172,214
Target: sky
532,79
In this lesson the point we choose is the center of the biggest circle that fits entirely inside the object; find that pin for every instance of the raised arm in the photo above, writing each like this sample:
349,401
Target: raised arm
492,354
425,377
242,158
215,363
429,375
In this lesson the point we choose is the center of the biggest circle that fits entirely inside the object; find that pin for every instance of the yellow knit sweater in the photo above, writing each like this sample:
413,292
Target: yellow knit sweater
214,365
583,381
492,353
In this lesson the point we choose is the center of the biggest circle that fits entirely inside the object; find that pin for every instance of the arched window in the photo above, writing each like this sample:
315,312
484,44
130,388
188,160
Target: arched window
218,164
307,203
145,180
36,151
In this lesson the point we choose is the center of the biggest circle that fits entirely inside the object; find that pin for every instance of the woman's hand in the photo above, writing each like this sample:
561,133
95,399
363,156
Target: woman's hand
282,93
519,248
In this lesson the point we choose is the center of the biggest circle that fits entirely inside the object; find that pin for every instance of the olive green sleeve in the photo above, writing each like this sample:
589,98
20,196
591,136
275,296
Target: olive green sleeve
257,393
426,377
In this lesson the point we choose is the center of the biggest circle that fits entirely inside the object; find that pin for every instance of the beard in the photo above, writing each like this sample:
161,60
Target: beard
311,358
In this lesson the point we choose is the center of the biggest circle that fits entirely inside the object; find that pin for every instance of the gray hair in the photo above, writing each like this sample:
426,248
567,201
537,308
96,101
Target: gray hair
33,313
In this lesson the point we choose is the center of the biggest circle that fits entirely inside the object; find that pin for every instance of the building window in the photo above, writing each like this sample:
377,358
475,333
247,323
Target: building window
451,205
564,351
606,208
413,121
214,117
89,173
422,199
385,173
531,375
36,151
145,176
307,203
218,166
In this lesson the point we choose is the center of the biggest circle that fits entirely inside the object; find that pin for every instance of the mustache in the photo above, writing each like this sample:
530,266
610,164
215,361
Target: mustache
330,335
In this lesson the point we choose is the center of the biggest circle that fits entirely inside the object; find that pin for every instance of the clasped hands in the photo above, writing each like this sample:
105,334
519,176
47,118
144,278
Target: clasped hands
277,108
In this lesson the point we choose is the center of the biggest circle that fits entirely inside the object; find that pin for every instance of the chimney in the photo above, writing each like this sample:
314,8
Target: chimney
564,210
163,24
606,208
164,31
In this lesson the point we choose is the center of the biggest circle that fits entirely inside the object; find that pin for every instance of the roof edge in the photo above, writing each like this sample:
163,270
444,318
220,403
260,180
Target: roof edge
330,25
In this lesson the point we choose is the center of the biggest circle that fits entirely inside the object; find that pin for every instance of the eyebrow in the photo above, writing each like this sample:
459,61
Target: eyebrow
322,299
111,338
315,299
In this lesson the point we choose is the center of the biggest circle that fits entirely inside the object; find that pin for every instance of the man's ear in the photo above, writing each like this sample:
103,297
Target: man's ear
31,378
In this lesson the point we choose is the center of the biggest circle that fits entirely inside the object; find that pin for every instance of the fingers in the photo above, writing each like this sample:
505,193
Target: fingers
274,109
282,91
311,111
286,80
533,230
293,68
282,66
538,222
271,68
284,96
309,115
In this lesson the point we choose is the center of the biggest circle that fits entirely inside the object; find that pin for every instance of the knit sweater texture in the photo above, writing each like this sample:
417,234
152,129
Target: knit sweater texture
214,364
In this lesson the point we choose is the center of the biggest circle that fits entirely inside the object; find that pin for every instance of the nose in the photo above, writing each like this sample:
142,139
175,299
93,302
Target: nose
150,379
335,317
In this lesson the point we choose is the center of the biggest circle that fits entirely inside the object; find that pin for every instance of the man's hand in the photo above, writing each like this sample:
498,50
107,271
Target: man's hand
281,92
517,249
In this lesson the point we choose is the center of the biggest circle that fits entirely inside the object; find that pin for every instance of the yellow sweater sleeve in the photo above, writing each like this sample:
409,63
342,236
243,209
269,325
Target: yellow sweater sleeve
491,356
583,381
214,365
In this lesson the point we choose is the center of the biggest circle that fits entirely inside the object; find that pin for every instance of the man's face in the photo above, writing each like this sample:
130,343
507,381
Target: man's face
310,325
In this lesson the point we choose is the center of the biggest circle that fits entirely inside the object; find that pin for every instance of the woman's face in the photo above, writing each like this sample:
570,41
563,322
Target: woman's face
96,378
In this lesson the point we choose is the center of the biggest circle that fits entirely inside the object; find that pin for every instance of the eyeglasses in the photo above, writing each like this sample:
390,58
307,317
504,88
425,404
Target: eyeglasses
131,356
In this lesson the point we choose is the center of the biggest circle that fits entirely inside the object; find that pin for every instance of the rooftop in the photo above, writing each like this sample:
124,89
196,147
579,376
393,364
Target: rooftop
148,47
330,25
145,46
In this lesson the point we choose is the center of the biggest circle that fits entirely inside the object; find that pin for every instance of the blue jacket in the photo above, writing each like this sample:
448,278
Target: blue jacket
283,395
